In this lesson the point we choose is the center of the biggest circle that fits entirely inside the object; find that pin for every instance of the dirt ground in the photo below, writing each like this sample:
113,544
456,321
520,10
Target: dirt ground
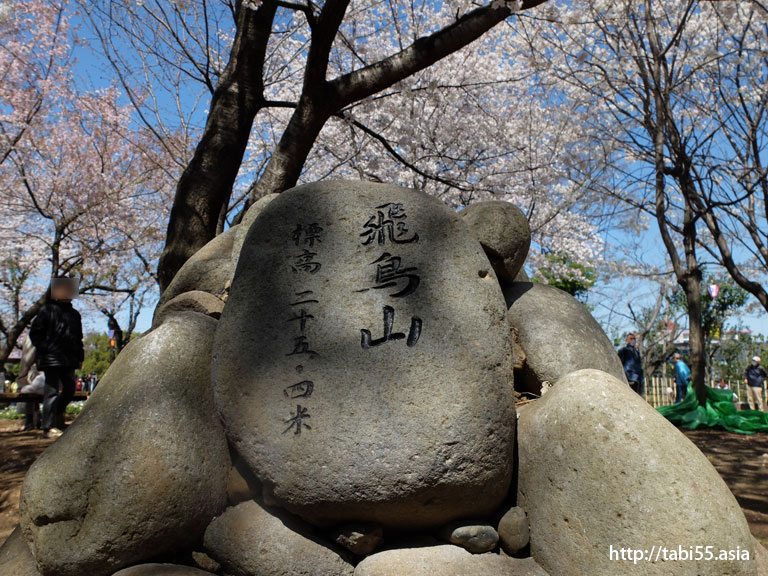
743,463
18,450
741,460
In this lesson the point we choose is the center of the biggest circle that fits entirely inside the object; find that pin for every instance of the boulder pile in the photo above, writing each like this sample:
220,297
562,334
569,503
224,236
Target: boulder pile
329,390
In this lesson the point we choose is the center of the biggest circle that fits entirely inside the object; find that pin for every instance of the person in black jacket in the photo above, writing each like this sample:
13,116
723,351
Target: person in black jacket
57,334
633,364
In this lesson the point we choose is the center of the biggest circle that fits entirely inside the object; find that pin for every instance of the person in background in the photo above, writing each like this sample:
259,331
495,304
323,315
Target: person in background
633,364
754,377
682,377
57,334
36,385
92,381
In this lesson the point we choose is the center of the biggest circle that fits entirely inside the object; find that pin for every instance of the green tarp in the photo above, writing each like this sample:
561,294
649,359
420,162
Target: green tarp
719,411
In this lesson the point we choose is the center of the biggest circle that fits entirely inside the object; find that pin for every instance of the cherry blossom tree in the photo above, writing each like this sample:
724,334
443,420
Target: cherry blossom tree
675,93
84,192
430,95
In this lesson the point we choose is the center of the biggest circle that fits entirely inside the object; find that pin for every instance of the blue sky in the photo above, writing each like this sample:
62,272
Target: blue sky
609,299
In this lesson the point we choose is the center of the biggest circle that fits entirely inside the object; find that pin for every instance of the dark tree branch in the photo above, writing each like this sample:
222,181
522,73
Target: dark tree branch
206,184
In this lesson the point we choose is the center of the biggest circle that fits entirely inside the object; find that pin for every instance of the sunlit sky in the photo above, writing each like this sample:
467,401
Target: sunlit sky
609,299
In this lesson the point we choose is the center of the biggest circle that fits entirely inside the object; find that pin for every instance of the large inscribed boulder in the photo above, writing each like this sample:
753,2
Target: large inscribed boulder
362,363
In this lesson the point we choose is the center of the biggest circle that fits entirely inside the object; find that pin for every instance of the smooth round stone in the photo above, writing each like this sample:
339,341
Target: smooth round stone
558,335
362,365
503,232
513,530
209,270
195,301
161,570
15,557
248,539
476,538
142,470
445,560
600,468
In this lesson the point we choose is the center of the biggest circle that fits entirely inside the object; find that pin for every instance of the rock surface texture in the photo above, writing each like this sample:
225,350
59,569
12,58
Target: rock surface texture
248,540
15,557
245,225
761,558
557,334
513,530
195,301
354,372
599,467
504,234
360,539
161,570
473,537
446,561
144,467
209,270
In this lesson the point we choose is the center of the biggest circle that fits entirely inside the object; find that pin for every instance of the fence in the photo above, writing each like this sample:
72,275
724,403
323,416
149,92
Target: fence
657,390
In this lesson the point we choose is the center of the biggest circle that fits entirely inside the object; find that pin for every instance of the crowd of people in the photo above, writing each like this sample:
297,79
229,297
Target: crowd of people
755,375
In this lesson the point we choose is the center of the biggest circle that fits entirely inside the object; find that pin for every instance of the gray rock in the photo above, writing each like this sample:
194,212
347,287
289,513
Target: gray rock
761,558
15,557
558,335
475,537
522,276
513,530
209,270
338,422
250,217
195,301
238,489
360,539
161,570
247,539
446,561
142,470
504,234
600,468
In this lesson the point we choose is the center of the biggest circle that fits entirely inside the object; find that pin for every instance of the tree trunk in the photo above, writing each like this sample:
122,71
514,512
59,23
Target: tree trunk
321,100
291,153
15,331
696,337
207,181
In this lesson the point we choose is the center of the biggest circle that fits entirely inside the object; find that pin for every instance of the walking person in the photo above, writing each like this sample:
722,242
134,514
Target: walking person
682,377
57,334
633,364
754,377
